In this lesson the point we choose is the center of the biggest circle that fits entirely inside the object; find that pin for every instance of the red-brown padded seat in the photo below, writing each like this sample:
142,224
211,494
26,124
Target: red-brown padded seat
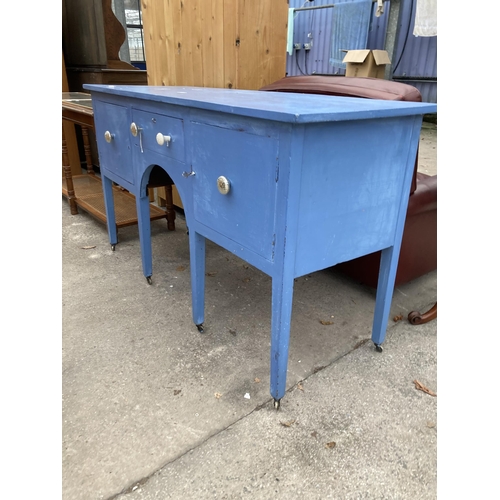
369,88
427,195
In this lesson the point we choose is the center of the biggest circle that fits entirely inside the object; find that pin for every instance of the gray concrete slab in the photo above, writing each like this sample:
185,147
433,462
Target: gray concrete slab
153,409
141,386
356,429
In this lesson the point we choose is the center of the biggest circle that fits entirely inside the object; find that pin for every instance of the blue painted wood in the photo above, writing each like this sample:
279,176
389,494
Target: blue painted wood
359,170
109,206
283,276
389,256
314,180
292,108
117,154
253,190
144,224
197,258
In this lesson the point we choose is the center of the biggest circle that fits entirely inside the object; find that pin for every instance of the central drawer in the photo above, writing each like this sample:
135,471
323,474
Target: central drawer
153,127
248,163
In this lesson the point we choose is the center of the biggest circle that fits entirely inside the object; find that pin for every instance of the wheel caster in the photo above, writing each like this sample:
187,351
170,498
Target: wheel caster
200,327
378,348
149,280
113,248
277,404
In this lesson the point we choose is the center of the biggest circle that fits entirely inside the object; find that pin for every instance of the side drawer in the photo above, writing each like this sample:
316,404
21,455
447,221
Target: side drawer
112,135
150,125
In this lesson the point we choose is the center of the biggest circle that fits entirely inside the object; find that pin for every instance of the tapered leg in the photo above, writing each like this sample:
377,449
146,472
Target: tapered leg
385,289
109,205
282,295
197,260
144,222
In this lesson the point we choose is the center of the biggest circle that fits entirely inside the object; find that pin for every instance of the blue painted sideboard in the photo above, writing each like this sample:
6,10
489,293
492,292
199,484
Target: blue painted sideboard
290,183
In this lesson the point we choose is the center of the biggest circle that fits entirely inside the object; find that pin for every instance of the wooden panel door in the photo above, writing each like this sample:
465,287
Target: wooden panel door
215,43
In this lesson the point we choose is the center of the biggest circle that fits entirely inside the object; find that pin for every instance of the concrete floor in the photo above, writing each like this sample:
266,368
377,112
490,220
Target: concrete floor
153,409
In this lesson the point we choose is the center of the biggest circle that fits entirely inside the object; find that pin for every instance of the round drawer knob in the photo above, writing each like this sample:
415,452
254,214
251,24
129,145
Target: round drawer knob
108,136
163,139
223,185
134,129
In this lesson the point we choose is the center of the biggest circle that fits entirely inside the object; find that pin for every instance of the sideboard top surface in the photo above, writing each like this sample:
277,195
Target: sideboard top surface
278,106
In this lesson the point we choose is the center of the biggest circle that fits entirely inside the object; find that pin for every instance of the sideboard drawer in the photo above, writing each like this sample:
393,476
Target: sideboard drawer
112,126
159,133
249,164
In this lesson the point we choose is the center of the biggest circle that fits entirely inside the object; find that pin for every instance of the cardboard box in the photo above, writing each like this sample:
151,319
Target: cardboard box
367,63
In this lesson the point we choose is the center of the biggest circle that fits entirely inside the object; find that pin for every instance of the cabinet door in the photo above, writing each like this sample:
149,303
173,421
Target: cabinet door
249,163
112,122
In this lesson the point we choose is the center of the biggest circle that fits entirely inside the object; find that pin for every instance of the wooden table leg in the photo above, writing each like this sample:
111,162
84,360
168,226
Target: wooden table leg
415,318
170,208
67,174
86,148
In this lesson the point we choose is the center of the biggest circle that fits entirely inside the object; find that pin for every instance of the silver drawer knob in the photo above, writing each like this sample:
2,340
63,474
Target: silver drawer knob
163,139
108,136
223,185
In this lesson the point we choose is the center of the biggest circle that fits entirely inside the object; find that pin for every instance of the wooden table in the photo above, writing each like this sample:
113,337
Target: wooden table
85,190
290,183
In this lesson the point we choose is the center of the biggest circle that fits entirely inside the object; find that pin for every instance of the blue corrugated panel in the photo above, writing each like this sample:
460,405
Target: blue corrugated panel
416,57
378,28
350,24
415,60
318,23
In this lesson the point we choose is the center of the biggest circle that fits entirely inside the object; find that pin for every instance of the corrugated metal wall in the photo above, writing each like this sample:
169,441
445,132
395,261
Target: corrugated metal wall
416,57
415,60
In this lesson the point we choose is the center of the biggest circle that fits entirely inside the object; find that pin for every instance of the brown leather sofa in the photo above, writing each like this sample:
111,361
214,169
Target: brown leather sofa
418,254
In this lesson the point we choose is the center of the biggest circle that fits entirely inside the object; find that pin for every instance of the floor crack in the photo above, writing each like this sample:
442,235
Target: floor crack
136,484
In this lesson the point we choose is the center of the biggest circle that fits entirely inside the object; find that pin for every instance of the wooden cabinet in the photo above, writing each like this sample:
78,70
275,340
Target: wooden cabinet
69,133
92,37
